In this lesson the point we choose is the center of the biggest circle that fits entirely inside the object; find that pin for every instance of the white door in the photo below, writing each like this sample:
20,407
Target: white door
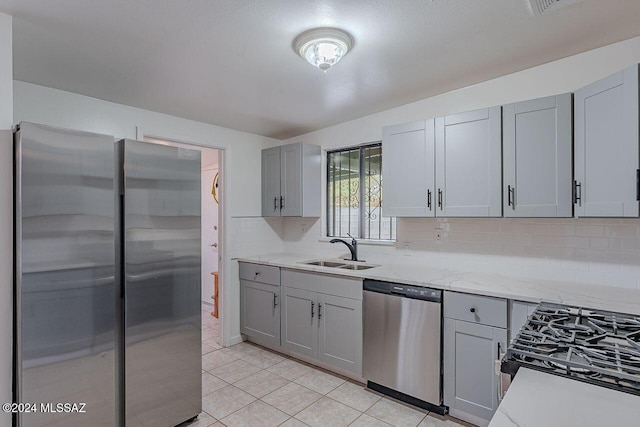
209,233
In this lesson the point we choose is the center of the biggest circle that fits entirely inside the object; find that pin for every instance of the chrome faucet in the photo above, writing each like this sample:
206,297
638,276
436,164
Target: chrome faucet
353,246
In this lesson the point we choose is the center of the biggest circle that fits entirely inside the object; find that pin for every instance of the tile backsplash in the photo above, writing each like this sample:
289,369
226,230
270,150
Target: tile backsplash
584,239
586,250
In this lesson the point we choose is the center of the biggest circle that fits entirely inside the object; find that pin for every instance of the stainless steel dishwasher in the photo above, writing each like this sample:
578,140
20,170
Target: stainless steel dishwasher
402,355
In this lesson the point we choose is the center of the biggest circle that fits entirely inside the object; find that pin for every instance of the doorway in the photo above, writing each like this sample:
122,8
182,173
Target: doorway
211,233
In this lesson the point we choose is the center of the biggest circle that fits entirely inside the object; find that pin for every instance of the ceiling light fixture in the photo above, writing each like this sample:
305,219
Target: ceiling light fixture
323,47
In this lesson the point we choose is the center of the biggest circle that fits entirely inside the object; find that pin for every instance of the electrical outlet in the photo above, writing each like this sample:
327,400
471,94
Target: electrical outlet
438,235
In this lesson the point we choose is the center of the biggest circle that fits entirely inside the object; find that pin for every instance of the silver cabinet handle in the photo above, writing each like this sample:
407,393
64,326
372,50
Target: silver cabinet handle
472,309
499,376
258,273
440,198
429,199
319,311
281,202
511,197
275,300
275,203
577,193
312,312
215,245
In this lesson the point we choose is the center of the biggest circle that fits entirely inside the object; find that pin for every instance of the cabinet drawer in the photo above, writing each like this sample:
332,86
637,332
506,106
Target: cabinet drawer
323,283
260,273
476,308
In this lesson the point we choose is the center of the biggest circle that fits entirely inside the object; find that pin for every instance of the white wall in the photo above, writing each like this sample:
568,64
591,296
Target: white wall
241,221
6,210
597,251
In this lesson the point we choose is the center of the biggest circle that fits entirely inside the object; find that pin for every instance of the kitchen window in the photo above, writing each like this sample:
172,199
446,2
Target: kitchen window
354,194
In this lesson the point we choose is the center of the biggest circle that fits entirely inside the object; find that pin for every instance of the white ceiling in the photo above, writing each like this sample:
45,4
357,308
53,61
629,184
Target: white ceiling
230,62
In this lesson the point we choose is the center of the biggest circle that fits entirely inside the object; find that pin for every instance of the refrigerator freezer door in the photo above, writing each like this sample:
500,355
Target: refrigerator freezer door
161,217
65,328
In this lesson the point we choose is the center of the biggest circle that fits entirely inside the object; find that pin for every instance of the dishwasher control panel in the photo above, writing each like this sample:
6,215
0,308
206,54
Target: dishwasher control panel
407,291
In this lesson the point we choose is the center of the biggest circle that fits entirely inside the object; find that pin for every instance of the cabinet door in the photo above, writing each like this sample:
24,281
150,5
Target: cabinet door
291,180
408,169
469,164
340,332
260,311
271,182
606,146
299,321
537,158
470,381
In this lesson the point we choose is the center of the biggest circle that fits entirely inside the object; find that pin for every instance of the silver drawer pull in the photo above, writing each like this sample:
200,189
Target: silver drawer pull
472,309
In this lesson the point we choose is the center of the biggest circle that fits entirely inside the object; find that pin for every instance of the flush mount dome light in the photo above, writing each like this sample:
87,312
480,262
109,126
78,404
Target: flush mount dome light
323,47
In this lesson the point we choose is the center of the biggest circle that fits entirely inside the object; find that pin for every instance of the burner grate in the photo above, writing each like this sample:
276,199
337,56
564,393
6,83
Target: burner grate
598,346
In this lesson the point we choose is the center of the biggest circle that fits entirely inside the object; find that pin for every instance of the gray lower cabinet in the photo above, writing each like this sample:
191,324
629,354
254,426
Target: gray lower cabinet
471,386
340,332
260,303
260,313
325,327
299,321
322,318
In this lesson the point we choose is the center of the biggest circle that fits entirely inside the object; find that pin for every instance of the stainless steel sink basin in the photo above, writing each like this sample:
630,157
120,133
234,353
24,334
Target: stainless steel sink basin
325,263
357,266
337,264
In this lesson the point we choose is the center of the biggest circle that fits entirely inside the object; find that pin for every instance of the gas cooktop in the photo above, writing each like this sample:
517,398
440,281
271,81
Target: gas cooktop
595,346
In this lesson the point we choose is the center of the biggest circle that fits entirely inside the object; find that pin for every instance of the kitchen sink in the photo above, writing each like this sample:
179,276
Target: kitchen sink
357,266
338,264
325,263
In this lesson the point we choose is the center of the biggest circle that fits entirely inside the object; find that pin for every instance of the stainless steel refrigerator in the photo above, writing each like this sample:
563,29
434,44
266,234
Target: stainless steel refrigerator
107,280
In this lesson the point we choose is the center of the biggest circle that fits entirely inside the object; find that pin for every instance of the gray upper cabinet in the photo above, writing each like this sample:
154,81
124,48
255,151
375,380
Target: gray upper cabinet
469,164
537,158
291,180
408,169
271,182
607,147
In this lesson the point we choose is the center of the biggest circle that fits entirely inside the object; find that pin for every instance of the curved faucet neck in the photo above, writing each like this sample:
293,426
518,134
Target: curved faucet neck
353,247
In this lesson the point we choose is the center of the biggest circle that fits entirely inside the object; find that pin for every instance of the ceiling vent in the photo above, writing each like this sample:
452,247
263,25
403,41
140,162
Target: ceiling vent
540,7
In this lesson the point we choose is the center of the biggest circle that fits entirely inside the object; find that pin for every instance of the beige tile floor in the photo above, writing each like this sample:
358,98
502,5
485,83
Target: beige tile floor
247,385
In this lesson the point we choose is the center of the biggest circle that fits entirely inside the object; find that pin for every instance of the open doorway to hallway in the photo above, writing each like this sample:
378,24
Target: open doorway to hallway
211,207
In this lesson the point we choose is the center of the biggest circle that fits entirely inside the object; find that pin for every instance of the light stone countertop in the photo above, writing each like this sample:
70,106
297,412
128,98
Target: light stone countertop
610,298
537,399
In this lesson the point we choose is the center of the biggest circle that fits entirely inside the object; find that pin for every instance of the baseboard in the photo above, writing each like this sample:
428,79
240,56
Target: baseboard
310,360
236,340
